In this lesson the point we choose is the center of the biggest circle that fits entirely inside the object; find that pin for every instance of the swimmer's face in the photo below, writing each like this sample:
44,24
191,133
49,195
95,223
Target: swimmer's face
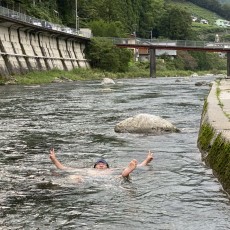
101,165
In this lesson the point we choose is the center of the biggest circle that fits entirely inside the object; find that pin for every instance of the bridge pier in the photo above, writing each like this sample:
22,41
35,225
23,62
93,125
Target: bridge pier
152,53
228,64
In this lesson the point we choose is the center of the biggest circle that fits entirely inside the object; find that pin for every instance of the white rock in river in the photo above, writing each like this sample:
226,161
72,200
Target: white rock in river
107,81
146,124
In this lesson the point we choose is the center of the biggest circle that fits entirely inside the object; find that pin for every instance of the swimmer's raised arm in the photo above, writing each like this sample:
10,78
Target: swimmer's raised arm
53,158
148,159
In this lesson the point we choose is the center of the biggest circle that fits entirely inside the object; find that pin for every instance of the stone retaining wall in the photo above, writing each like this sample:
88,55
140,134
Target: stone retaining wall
24,50
214,134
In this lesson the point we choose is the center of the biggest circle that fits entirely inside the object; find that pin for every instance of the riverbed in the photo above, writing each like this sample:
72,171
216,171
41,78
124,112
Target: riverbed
175,191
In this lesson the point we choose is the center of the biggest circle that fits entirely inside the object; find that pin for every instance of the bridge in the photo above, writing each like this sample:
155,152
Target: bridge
153,44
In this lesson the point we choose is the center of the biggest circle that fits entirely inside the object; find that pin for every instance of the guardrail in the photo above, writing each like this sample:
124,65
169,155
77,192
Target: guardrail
42,23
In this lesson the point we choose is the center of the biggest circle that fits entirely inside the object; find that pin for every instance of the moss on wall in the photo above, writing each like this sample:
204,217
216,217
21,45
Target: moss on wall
219,160
205,137
216,153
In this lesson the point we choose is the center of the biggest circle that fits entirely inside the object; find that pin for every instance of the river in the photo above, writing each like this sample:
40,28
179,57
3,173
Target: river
176,191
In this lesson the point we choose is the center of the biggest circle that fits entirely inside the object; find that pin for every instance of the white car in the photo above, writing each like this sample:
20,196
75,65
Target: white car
36,23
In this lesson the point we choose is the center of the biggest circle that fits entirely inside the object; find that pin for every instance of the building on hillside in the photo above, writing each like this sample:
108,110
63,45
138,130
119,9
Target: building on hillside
204,21
194,18
222,23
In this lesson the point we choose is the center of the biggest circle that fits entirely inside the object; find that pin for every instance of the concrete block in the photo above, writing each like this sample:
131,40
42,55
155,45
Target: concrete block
10,59
3,69
79,55
69,45
27,49
34,41
62,47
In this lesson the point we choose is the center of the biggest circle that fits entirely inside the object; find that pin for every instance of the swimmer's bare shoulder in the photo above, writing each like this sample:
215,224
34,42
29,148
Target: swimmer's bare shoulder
96,172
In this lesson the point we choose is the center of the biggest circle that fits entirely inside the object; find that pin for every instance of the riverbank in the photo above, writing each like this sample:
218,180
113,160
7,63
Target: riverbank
214,135
82,74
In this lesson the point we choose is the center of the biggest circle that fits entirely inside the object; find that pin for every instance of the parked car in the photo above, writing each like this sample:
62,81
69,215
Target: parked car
35,22
15,16
46,24
66,30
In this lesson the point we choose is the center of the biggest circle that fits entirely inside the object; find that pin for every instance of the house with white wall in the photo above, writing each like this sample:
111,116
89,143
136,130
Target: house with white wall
222,23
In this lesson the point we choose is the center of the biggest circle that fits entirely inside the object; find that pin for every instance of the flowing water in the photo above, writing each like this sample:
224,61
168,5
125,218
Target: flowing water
176,191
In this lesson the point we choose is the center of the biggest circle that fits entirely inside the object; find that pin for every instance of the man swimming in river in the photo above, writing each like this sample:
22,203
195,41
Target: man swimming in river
103,166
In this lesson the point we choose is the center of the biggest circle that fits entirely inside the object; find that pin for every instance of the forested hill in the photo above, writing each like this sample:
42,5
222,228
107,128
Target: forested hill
144,18
220,7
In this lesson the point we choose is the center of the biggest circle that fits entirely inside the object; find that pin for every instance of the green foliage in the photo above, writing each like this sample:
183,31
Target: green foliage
101,28
175,23
120,18
208,61
189,62
104,55
197,11
226,38
215,6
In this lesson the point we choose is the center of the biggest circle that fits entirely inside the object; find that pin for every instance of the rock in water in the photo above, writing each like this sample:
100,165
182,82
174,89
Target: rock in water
107,81
145,124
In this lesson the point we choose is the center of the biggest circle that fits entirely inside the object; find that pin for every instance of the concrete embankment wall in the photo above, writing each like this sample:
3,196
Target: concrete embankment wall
214,135
24,50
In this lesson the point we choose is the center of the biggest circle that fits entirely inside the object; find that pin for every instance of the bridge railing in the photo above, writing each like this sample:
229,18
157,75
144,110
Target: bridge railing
42,23
168,43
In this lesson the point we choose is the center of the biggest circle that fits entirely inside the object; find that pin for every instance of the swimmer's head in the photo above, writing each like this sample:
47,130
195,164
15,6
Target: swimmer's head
101,164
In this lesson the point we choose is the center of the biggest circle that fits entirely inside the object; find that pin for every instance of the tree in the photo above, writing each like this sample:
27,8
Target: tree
104,55
175,23
188,60
100,28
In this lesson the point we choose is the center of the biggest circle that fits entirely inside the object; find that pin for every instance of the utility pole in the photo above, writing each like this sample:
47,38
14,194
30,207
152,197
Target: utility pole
77,27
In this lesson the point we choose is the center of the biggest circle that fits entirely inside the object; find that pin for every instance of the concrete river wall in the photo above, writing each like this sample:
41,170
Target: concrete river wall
25,48
214,135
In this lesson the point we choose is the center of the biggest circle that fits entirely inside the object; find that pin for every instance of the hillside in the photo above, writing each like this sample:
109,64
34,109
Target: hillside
224,1
197,11
203,31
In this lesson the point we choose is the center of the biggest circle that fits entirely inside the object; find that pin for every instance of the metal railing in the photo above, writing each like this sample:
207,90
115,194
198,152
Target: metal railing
42,23
170,43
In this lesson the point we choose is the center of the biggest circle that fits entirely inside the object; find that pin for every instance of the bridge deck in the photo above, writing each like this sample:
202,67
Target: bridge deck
172,44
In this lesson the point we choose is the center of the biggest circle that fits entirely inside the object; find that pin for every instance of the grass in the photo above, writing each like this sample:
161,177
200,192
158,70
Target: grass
80,74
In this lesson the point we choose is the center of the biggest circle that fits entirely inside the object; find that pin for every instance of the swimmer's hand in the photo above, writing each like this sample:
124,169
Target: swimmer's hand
147,160
52,154
53,158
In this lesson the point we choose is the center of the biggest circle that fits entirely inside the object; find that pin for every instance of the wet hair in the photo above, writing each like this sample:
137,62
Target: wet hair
101,161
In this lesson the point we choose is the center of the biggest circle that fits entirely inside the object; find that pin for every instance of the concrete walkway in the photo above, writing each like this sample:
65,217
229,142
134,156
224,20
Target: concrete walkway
219,107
